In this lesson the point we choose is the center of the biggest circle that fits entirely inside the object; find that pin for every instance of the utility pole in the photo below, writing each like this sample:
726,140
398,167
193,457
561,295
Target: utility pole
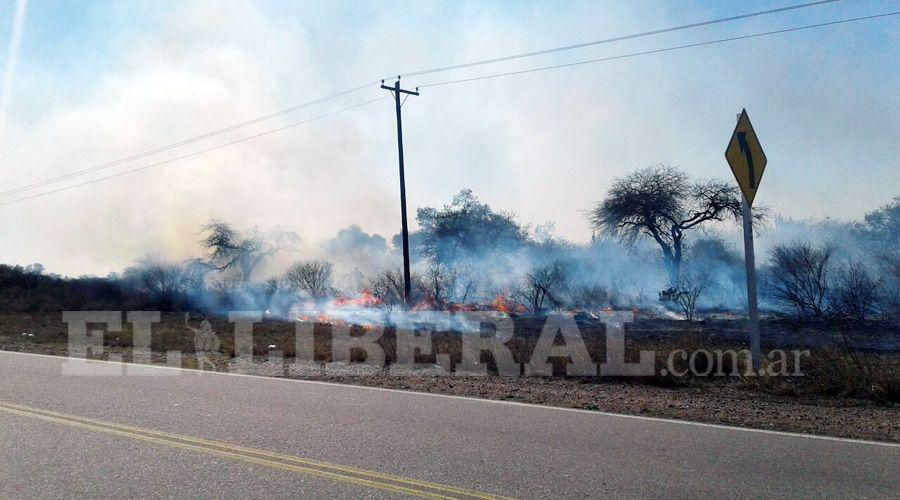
396,90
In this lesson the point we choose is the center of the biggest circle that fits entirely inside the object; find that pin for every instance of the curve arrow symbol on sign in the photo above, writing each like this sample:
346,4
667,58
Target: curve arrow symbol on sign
745,148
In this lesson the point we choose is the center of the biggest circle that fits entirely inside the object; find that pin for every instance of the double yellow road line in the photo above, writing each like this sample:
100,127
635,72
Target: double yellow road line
352,475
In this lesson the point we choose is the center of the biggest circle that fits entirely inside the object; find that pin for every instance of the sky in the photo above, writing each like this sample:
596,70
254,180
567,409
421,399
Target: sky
87,82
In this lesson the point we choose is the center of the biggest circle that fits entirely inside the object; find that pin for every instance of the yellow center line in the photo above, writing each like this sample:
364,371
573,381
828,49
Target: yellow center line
353,475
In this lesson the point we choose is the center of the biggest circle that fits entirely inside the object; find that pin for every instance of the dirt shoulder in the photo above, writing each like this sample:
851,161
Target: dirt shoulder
714,404
727,402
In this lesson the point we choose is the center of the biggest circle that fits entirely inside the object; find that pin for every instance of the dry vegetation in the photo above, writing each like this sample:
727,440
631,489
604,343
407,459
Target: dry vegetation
832,289
846,390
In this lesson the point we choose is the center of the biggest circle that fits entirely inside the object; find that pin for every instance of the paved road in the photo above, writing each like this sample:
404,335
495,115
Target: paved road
195,434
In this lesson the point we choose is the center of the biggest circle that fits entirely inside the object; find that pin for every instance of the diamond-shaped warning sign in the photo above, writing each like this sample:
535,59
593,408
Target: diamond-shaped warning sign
746,157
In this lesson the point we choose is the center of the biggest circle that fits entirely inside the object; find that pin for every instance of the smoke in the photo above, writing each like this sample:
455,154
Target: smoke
198,69
513,276
139,75
9,69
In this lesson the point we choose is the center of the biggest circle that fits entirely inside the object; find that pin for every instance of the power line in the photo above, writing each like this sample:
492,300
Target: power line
618,38
195,153
656,51
236,126
103,166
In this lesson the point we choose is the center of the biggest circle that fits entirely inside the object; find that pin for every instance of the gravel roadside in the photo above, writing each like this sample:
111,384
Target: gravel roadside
726,403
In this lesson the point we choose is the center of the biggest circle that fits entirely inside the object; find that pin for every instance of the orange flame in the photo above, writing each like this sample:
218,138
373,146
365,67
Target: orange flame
502,303
364,299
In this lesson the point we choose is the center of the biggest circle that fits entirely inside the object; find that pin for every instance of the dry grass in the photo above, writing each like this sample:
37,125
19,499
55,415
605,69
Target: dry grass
840,373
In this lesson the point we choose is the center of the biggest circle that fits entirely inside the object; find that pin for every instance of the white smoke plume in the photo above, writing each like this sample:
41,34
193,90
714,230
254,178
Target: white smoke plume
9,69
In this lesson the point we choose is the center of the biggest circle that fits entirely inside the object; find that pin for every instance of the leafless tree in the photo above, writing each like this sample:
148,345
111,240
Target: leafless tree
312,277
686,292
440,283
858,293
387,287
799,276
543,287
167,283
467,287
661,203
227,248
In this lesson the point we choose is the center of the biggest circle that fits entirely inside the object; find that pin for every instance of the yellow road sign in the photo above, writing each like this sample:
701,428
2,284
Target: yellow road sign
746,157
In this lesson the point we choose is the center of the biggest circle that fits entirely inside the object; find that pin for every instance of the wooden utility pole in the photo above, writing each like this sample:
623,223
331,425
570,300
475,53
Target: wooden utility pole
396,90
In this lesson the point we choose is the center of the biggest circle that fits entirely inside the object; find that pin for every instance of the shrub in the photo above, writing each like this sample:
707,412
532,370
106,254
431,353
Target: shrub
854,374
591,296
543,287
799,277
312,277
167,284
387,287
440,284
858,293
686,291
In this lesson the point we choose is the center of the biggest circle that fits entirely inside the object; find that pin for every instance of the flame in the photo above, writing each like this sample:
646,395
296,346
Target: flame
364,299
425,305
316,318
501,303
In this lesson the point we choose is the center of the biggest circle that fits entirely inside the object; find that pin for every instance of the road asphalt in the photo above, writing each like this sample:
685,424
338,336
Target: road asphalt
154,432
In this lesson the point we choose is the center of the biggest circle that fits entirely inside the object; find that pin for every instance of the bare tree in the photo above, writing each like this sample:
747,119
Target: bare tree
542,287
799,276
467,287
661,203
312,277
387,286
858,293
440,284
167,283
686,292
229,249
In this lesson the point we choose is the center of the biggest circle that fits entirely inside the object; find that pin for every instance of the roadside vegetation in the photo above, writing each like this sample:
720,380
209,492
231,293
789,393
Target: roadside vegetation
663,247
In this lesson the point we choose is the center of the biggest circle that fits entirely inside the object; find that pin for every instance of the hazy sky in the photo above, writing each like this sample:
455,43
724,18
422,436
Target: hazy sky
97,81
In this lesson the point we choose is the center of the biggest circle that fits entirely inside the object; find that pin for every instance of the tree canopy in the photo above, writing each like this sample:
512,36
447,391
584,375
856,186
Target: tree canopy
662,203
227,248
882,226
464,227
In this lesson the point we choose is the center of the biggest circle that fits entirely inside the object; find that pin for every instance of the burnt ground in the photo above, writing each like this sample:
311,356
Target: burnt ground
836,397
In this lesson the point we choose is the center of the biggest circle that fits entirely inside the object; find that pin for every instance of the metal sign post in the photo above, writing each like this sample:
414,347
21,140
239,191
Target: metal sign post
748,161
750,262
